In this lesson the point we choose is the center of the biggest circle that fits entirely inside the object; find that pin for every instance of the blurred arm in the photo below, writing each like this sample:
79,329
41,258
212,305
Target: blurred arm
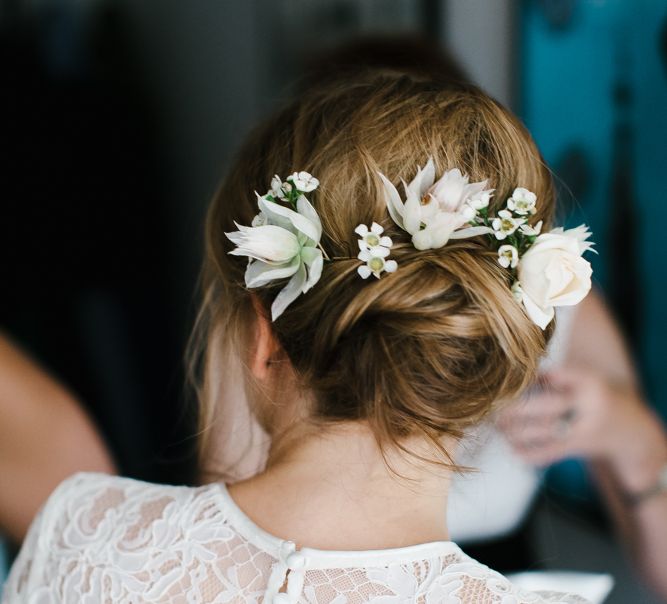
637,448
44,437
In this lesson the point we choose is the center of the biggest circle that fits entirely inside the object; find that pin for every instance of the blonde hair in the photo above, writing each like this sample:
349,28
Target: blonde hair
426,350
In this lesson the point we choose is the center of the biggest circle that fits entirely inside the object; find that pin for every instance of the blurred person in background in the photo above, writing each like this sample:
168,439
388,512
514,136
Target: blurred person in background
45,436
591,406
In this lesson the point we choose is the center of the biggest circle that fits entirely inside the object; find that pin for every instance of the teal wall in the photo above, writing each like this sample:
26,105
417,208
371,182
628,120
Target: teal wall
568,75
4,563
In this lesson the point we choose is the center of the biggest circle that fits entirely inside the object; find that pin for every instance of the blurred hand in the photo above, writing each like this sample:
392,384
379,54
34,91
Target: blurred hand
578,413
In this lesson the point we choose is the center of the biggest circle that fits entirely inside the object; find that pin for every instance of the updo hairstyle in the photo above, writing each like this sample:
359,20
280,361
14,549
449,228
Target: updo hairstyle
428,349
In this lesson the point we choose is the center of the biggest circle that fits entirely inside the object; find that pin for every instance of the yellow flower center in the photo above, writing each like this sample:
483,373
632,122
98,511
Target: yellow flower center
372,239
376,264
506,224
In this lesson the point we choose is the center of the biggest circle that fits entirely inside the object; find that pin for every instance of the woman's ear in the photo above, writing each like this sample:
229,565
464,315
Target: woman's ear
266,346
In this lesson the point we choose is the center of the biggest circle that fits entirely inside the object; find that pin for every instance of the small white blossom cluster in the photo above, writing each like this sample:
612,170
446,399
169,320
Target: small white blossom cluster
283,241
548,268
374,248
297,183
511,226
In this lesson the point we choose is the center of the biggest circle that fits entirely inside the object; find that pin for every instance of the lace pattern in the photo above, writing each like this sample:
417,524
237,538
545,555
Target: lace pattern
109,540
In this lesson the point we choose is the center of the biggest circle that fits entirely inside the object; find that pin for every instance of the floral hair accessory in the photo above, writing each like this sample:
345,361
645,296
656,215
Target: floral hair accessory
548,268
435,212
283,241
374,249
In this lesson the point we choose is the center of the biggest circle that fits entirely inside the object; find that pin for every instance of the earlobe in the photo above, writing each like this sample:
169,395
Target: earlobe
265,346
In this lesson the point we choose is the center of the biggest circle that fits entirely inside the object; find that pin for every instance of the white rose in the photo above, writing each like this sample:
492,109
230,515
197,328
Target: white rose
553,273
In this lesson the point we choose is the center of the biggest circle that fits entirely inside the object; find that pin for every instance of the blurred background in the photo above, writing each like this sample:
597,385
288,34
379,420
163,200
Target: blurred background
119,119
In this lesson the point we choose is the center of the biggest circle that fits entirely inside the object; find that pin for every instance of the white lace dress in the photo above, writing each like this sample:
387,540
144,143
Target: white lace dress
110,540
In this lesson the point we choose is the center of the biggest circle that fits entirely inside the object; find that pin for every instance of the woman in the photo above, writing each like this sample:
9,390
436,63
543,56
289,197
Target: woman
365,353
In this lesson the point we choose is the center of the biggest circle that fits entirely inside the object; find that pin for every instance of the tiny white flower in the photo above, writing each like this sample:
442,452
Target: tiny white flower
277,188
371,238
526,229
522,201
517,292
508,256
376,262
304,181
506,224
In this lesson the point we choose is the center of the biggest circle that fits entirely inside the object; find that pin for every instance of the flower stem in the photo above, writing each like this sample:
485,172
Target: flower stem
326,256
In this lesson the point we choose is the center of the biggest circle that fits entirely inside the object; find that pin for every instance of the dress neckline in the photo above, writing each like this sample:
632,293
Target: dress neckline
320,558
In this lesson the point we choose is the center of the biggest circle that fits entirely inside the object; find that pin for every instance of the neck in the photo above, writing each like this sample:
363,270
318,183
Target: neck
337,491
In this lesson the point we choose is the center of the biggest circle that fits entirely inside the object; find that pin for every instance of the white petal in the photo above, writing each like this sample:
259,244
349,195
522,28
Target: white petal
390,266
312,258
259,220
393,201
540,316
481,201
268,243
309,225
364,271
306,209
379,251
386,241
412,216
361,230
442,228
468,213
427,177
474,189
260,273
289,293
422,181
503,261
274,214
422,240
376,229
448,191
364,255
